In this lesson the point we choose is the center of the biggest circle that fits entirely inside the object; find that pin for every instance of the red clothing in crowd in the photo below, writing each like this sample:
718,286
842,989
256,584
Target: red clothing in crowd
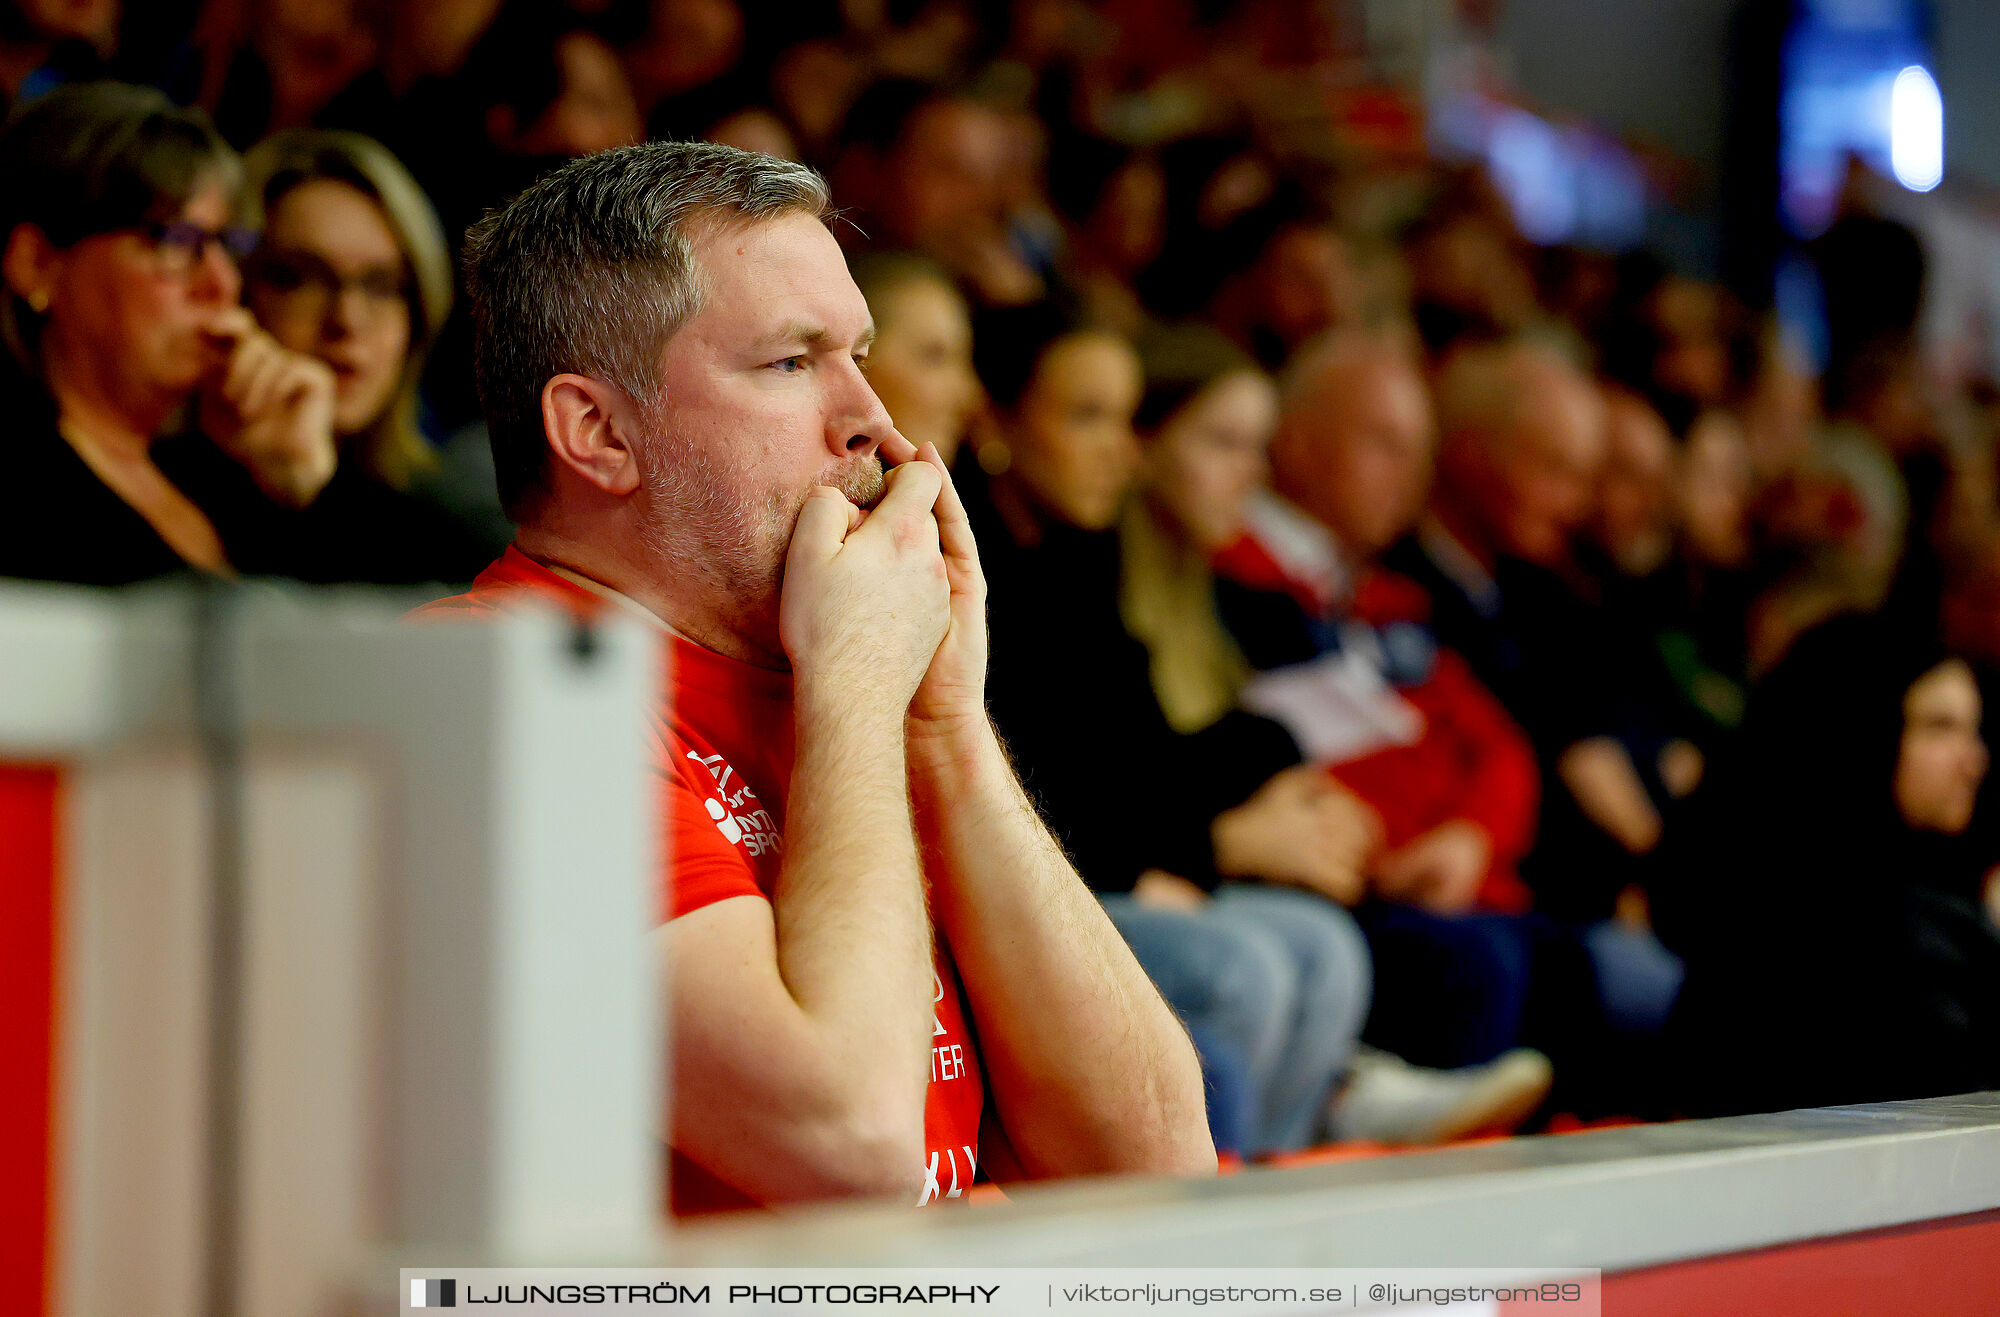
1471,762
722,747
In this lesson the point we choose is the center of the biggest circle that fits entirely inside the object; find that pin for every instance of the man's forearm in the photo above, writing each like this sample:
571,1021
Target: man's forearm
1115,1086
853,934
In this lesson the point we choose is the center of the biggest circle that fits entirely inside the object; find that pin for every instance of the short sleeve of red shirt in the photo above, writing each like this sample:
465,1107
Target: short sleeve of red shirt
702,865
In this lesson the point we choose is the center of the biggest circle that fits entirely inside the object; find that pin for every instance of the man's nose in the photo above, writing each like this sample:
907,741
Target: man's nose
857,422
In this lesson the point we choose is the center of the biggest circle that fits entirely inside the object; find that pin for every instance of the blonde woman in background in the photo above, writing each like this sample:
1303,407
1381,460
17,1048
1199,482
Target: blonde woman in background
353,270
921,361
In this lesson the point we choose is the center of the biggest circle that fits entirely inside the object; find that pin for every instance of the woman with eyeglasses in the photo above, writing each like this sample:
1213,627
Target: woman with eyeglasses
353,271
149,425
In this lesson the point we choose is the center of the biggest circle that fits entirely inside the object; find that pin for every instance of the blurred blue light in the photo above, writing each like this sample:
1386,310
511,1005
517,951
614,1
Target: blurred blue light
1535,172
1842,98
1916,129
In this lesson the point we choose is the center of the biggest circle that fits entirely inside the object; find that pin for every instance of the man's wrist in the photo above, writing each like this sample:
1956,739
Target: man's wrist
849,702
953,745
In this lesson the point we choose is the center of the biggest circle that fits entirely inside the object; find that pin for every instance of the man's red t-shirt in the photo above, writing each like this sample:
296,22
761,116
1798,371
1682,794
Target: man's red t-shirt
722,747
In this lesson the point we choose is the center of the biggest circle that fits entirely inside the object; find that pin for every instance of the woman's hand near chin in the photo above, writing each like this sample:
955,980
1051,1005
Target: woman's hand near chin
271,409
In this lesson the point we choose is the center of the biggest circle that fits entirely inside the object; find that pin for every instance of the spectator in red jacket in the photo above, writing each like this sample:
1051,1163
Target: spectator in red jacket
1356,671
1457,796
1207,417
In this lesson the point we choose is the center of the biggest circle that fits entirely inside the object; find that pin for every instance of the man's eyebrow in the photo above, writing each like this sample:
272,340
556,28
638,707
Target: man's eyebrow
813,338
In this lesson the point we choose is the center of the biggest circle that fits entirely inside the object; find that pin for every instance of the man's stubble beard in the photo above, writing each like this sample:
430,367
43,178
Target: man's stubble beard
697,522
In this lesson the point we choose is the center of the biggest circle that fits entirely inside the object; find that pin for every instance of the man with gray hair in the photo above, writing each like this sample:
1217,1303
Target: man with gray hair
1522,440
670,353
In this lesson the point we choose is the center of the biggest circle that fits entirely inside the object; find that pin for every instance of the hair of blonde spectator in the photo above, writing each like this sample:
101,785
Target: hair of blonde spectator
394,449
591,270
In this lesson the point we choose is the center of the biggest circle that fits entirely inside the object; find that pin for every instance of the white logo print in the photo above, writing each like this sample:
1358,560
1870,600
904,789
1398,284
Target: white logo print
933,1190
737,814
730,828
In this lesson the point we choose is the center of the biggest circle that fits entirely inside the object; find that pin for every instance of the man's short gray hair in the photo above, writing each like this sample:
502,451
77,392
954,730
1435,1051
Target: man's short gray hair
591,270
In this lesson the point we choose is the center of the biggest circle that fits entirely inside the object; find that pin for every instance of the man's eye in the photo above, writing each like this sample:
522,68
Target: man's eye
789,365
861,362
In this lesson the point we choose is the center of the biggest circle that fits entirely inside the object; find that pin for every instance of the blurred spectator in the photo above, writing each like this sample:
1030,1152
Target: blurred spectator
1582,287
1828,898
921,363
1115,200
812,85
921,38
1280,974
1205,421
1877,437
1297,280
754,128
538,87
1883,437
1470,278
679,60
1714,490
1635,520
120,310
1871,277
1683,346
1280,971
924,170
432,40
1442,764
293,64
1778,406
1672,575
1522,445
1208,415
353,270
569,102
1366,687
1043,495
45,43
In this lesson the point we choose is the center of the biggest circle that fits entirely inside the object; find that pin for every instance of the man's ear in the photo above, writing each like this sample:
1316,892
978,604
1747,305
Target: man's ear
587,422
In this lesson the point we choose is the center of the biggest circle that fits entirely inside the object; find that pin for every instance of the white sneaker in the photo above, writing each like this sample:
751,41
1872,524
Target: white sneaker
1388,1100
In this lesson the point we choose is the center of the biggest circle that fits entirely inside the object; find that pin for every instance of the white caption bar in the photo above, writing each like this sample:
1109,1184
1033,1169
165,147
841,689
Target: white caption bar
1267,1291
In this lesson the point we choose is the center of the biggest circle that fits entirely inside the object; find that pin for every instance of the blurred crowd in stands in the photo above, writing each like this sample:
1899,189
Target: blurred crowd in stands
1425,643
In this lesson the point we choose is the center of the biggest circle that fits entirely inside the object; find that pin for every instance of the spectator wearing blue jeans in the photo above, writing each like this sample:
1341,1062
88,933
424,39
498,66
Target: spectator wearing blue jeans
1276,975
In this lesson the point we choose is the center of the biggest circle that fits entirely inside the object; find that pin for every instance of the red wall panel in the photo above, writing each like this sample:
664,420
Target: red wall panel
30,798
